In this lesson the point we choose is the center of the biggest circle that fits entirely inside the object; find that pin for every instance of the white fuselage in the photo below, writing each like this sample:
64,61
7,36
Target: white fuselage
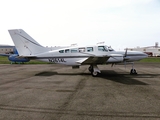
71,55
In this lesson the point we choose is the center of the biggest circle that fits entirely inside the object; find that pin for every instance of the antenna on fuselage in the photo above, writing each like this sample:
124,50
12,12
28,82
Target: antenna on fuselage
75,44
100,43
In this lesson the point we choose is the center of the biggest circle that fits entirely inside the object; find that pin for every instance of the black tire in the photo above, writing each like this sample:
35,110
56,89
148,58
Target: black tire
95,74
133,72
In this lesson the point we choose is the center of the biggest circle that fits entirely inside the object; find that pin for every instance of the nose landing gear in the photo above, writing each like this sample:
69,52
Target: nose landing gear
133,71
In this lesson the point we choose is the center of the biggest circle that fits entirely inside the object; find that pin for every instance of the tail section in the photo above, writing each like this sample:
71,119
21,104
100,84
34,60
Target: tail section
25,44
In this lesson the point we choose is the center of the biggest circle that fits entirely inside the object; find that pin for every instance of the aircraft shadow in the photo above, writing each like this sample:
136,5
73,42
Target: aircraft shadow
121,78
48,73
108,75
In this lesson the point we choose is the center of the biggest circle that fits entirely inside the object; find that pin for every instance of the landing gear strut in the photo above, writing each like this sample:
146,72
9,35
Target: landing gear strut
90,68
133,71
94,70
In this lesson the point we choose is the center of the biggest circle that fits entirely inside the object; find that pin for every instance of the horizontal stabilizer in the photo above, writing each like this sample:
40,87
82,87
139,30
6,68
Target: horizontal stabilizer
31,56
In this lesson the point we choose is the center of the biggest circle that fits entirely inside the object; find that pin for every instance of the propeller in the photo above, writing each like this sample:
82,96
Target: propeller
125,55
125,52
112,64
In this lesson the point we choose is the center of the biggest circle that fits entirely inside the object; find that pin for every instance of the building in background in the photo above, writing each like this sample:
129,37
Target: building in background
6,49
150,50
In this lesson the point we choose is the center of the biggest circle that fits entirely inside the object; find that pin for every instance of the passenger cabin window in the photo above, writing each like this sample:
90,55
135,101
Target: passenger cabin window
102,48
74,50
89,49
81,49
61,51
67,51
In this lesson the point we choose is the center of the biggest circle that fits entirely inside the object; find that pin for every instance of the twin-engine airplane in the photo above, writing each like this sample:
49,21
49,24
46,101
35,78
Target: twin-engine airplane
74,56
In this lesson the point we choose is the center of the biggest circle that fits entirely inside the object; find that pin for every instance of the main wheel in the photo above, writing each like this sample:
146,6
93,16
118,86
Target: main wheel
95,74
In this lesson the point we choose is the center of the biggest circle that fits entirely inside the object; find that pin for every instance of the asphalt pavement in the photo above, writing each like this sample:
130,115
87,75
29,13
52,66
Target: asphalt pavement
57,92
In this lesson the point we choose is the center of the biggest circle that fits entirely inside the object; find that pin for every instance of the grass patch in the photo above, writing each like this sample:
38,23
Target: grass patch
151,60
4,60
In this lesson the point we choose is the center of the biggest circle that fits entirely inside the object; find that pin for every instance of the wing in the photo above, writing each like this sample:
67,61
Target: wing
94,60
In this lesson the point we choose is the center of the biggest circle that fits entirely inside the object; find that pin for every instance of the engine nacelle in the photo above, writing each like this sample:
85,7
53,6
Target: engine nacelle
115,59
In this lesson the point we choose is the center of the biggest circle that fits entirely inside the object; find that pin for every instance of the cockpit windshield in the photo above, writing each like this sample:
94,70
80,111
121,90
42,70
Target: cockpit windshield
109,48
105,48
102,48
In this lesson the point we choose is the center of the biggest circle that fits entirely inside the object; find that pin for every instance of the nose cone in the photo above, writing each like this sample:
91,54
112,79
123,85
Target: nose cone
135,55
141,55
144,55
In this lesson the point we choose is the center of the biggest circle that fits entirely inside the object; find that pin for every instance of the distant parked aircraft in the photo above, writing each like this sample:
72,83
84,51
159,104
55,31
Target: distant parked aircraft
74,56
14,57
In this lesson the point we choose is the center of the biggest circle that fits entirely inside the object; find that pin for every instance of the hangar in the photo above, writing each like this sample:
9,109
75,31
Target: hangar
150,50
6,49
9,49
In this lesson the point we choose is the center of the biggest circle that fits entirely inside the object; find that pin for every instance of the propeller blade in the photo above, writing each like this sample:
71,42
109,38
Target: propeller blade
112,64
125,52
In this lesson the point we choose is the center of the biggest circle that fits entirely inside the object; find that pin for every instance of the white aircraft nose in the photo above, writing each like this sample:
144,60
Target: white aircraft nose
135,56
145,55
142,55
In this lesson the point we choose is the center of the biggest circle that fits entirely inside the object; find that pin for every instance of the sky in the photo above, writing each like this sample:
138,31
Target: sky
118,23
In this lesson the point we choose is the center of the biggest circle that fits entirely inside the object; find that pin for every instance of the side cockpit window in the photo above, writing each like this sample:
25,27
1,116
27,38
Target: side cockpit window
102,48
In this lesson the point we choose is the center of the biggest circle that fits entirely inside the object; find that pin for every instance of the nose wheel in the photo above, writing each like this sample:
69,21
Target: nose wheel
133,71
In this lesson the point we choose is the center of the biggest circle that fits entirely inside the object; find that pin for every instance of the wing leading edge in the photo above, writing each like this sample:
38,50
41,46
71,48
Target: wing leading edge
94,60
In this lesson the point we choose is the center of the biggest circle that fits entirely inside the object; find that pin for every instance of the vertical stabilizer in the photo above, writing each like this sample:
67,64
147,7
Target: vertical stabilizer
25,44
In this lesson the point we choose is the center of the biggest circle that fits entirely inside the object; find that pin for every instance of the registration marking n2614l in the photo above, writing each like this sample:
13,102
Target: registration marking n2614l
56,60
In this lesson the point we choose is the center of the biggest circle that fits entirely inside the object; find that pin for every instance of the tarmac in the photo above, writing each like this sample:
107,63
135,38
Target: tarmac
57,92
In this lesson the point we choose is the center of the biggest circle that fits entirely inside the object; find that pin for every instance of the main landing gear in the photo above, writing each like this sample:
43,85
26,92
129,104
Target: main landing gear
133,71
94,70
